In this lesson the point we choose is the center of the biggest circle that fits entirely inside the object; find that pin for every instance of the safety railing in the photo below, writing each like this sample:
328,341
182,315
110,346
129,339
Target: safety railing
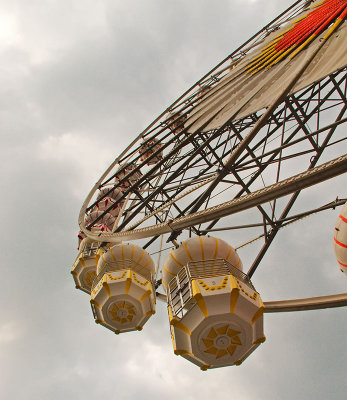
90,249
180,297
219,267
121,265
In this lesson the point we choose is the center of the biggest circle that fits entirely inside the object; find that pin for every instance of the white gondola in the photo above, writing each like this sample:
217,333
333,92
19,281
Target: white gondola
203,90
81,235
148,148
114,193
99,227
84,268
131,179
108,219
123,295
340,239
216,315
106,203
175,122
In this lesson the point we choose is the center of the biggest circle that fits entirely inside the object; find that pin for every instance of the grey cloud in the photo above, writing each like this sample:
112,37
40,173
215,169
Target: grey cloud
105,84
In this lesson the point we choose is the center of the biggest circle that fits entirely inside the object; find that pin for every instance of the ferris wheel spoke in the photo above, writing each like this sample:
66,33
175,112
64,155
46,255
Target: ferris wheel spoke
169,179
290,116
253,132
306,304
283,222
271,235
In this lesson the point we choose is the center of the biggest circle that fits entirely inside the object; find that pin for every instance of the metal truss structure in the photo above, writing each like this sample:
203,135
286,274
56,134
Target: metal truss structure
254,165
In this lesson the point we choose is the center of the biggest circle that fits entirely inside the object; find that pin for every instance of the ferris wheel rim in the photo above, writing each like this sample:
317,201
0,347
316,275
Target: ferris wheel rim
332,168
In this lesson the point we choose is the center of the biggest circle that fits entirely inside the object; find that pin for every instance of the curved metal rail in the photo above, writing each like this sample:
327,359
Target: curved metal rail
305,304
309,303
301,181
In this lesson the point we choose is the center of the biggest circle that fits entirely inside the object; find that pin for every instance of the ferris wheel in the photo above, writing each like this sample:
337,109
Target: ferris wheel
246,140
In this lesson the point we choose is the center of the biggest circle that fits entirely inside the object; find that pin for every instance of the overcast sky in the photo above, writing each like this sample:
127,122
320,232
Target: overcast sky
79,79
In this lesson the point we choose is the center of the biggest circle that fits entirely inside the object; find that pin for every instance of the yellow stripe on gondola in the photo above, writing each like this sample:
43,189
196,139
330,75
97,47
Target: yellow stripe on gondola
175,259
145,266
187,251
169,272
216,251
106,287
229,253
128,281
202,248
141,257
113,256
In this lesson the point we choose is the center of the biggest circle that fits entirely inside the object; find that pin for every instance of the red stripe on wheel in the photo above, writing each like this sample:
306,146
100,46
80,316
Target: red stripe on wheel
343,218
340,244
344,265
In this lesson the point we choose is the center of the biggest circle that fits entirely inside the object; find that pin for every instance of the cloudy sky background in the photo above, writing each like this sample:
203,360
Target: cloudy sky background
79,80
